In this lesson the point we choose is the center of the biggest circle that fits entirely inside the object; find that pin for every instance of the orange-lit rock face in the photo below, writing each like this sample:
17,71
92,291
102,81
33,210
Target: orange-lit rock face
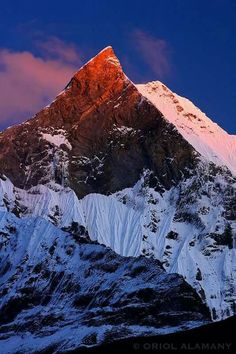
98,81
98,96
110,134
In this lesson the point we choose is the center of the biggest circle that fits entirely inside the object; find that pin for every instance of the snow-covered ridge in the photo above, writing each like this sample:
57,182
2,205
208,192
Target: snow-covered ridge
182,227
59,292
105,218
211,141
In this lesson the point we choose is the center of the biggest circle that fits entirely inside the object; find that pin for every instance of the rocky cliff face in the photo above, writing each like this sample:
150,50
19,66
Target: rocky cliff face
137,169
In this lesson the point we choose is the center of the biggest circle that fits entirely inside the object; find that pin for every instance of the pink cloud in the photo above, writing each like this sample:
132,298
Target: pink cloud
154,51
56,48
29,82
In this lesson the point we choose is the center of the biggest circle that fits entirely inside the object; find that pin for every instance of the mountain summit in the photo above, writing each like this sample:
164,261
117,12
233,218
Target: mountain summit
100,116
117,215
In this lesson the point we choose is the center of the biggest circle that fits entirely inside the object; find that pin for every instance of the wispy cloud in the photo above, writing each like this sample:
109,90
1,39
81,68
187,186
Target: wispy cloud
54,47
154,51
28,82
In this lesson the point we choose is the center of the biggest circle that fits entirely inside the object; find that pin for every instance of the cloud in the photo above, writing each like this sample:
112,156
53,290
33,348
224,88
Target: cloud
56,48
29,82
154,51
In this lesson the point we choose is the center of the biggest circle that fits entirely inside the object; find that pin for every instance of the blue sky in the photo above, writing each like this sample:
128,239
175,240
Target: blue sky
189,45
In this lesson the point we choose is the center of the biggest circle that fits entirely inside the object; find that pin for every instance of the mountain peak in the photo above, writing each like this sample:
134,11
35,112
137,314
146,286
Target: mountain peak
105,62
96,82
106,54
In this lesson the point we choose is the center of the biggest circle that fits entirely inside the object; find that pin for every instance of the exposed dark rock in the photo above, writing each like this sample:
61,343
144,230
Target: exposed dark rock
172,235
224,239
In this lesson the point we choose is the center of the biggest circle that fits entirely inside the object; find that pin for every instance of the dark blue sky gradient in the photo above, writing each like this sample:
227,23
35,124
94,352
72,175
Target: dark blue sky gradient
200,36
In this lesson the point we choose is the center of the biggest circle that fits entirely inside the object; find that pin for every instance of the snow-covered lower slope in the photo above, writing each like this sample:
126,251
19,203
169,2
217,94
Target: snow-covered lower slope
58,293
190,228
107,220
210,140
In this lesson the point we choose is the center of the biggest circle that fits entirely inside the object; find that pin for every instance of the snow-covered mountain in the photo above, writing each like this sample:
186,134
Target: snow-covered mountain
134,168
60,292
210,140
